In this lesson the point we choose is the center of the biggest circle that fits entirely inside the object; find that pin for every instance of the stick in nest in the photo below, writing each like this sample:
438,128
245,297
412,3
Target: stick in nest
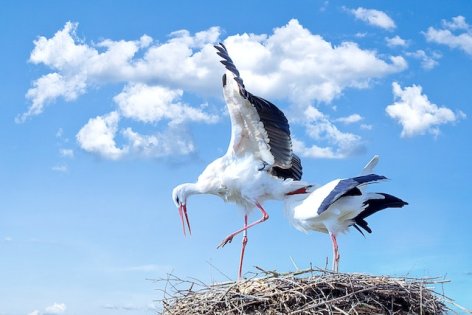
309,291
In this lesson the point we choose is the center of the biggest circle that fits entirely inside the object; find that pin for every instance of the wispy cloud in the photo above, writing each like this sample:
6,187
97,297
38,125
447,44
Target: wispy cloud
351,119
98,136
61,168
428,62
374,17
130,307
456,33
67,153
416,113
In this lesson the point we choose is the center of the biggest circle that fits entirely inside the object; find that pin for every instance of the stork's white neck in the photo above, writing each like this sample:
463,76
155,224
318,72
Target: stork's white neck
193,189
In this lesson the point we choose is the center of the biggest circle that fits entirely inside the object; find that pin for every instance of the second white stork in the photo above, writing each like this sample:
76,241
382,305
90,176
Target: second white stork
339,204
259,164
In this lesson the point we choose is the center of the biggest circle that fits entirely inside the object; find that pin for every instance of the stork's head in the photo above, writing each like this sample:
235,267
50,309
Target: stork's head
179,195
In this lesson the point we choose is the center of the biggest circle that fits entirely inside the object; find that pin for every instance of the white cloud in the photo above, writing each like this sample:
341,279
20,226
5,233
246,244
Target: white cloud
366,126
154,103
446,35
396,41
67,153
98,136
269,63
185,61
417,115
291,64
428,62
457,23
302,67
61,168
350,119
55,309
374,17
7,239
335,143
173,141
48,88
131,307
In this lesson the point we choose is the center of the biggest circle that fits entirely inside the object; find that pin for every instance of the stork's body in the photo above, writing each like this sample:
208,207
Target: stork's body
339,204
259,163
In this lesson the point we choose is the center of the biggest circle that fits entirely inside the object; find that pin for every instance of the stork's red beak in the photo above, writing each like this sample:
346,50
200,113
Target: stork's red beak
184,218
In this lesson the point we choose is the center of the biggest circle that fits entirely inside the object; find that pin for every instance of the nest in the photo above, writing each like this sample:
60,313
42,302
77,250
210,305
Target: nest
311,291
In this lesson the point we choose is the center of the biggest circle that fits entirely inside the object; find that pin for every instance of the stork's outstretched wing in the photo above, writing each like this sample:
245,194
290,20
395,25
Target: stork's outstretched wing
257,125
348,187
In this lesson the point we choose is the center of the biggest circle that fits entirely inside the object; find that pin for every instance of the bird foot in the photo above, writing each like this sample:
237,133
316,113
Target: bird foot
227,240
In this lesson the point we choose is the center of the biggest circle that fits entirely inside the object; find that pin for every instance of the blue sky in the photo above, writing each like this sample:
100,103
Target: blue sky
107,106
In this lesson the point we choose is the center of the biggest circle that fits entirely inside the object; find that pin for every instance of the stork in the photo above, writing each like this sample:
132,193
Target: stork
339,204
259,164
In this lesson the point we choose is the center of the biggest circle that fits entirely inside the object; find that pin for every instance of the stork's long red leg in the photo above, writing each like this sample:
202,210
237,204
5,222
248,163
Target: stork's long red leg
336,255
229,238
243,248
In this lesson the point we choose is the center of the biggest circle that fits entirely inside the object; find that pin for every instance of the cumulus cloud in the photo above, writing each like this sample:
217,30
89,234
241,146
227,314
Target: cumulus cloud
428,62
396,41
291,64
77,66
98,136
334,144
302,67
174,141
416,113
55,309
154,103
456,33
48,88
456,23
374,17
290,57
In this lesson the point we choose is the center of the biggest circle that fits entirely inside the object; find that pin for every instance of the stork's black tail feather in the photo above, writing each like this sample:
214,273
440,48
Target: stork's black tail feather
373,206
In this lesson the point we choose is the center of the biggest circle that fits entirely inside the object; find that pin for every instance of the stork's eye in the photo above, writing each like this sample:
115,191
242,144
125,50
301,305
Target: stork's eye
177,199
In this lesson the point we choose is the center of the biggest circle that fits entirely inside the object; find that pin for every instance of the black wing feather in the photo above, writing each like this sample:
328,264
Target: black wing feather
294,172
273,119
347,187
375,205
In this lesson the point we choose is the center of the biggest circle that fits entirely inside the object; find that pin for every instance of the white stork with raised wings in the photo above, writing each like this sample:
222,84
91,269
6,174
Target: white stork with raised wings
259,164
339,204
